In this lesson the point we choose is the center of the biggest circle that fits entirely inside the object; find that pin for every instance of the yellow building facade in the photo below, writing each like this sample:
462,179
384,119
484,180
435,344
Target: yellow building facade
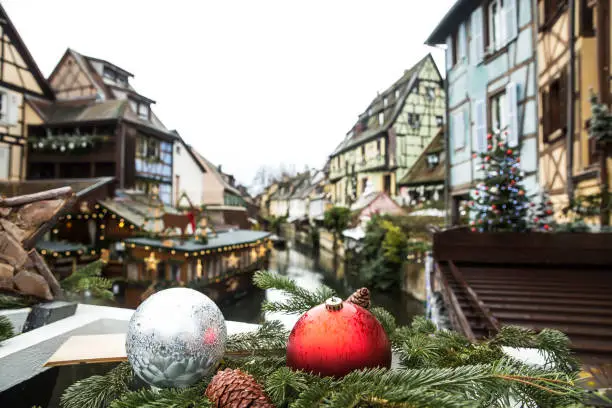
20,80
389,135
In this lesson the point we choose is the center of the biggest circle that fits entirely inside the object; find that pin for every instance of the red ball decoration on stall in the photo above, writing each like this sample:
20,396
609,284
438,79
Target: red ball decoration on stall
336,338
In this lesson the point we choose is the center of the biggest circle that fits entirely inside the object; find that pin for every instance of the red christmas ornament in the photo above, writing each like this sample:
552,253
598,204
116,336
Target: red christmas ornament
475,193
487,158
473,229
518,159
493,207
536,219
549,212
482,167
489,136
336,338
489,147
549,203
509,152
521,192
500,144
480,221
546,227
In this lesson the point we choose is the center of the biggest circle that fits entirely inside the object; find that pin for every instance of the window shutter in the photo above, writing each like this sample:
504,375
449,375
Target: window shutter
458,130
480,118
4,162
13,105
512,114
545,115
510,21
563,100
449,53
477,44
462,44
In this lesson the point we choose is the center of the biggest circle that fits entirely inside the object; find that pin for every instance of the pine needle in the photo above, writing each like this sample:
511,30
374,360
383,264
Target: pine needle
6,328
88,278
285,384
98,391
385,318
299,299
192,397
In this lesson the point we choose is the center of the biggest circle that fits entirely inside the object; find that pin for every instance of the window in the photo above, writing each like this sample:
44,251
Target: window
381,118
414,120
364,183
498,109
362,153
430,92
378,147
121,80
385,102
587,24
178,149
439,121
397,94
554,112
494,25
143,111
3,106
432,160
370,112
387,183
108,73
455,48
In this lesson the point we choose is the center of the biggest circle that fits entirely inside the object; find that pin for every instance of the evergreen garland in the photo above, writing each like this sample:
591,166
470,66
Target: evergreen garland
437,369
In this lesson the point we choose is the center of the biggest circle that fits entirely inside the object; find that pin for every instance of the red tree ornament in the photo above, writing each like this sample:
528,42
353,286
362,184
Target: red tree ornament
509,152
474,155
489,147
336,338
489,136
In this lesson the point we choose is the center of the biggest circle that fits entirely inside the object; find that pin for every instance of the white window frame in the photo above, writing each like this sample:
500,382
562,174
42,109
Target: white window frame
4,106
496,35
458,129
381,118
5,154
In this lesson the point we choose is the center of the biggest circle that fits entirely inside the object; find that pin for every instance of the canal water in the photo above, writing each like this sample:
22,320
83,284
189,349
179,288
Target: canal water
310,271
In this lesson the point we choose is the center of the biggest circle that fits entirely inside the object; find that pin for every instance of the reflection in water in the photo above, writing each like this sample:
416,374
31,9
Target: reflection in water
310,272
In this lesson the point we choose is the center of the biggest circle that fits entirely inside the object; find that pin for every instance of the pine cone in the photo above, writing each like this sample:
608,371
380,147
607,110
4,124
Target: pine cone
235,389
361,297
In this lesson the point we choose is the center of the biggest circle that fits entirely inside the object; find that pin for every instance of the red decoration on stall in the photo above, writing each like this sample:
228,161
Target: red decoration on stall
336,338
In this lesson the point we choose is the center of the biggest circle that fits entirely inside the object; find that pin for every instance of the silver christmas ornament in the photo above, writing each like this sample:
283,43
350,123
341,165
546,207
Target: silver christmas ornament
175,337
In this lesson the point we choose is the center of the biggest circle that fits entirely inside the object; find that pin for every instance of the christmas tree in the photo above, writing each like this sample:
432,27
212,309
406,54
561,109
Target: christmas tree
499,203
541,213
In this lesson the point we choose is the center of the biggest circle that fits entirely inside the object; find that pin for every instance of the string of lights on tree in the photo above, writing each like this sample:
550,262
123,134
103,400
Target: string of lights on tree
499,203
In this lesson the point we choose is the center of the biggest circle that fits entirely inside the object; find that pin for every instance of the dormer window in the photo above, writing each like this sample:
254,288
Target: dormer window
143,111
433,159
108,73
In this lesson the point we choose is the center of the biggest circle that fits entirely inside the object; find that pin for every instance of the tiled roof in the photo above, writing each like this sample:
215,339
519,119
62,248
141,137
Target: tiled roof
80,111
235,237
79,186
394,106
139,209
420,172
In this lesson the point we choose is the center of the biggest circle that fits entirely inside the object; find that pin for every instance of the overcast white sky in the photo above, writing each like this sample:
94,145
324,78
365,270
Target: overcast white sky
248,83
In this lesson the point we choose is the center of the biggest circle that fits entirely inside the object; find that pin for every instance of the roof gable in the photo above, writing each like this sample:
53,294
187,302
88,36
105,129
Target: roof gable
395,97
420,172
19,68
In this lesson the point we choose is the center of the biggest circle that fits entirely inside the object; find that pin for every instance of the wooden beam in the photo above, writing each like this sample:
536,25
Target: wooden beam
490,320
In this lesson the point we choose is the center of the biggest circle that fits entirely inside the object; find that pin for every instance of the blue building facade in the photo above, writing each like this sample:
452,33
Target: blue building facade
491,80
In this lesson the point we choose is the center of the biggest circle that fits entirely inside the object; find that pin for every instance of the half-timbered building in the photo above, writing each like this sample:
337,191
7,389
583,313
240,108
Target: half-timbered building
389,135
100,126
568,161
19,77
491,82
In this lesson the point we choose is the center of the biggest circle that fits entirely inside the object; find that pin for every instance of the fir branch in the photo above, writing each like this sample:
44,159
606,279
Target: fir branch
386,319
299,299
271,336
192,397
88,278
15,302
284,384
98,391
315,394
259,367
6,328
